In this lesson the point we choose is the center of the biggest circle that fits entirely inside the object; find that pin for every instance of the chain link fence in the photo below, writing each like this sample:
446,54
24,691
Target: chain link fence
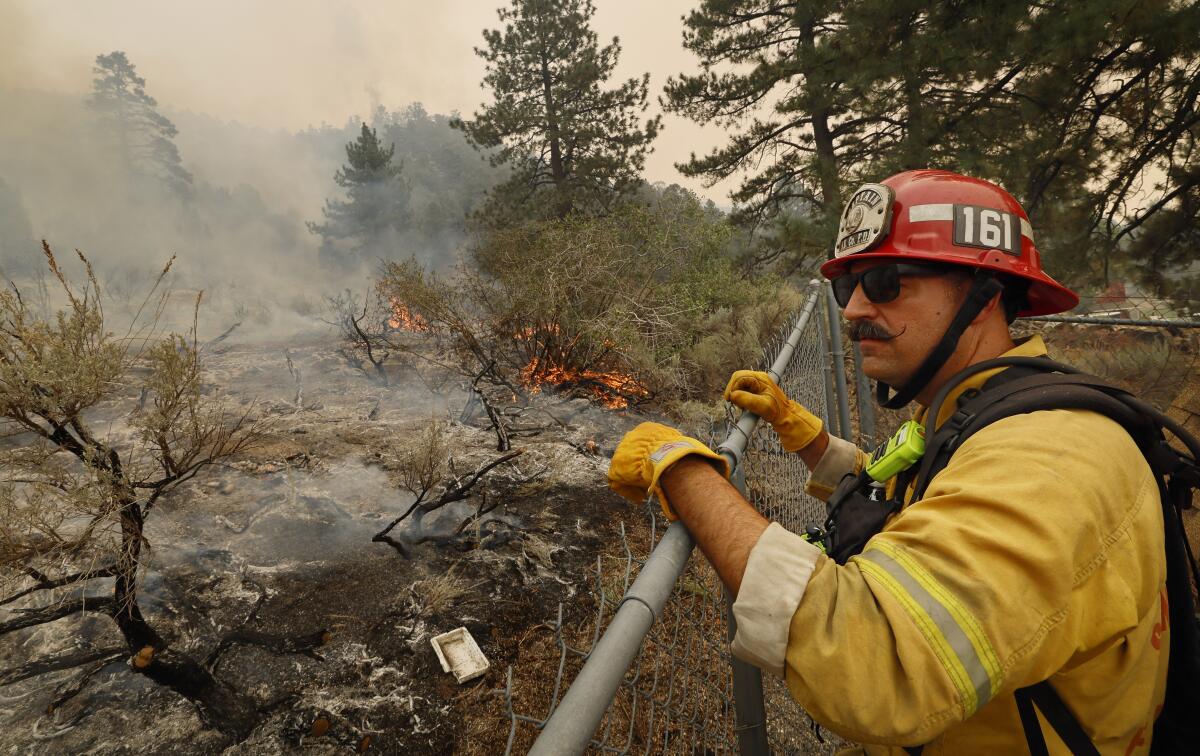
677,693
649,671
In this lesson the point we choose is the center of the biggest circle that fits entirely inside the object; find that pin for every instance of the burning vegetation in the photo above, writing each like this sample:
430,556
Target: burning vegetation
609,389
404,319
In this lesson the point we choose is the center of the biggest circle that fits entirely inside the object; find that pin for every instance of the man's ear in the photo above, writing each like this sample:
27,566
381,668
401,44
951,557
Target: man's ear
989,309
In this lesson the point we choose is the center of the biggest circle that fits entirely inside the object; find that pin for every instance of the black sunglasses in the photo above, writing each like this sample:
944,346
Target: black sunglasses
881,284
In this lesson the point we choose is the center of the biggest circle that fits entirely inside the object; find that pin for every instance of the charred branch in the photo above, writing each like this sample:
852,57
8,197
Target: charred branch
481,510
66,660
502,440
295,373
453,490
45,583
383,537
489,534
495,417
276,644
33,617
227,333
72,688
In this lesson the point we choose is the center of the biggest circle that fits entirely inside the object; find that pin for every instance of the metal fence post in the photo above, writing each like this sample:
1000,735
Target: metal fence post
831,414
866,400
750,712
838,360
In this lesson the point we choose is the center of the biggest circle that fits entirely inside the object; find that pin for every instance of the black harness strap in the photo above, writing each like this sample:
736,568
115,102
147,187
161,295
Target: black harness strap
1046,699
1044,391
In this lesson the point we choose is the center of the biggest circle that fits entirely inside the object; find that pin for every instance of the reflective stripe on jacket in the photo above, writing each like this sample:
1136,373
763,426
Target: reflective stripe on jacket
1037,553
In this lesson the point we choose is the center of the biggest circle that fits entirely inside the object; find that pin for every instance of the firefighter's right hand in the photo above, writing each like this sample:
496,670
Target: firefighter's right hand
755,391
645,453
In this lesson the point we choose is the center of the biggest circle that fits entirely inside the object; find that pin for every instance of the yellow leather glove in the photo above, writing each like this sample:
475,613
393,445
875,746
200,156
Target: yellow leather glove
755,391
645,453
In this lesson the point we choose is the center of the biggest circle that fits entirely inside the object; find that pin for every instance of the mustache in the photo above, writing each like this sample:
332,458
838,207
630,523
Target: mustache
865,329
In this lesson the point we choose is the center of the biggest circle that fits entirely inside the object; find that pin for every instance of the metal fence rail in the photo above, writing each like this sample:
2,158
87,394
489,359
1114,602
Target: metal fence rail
650,670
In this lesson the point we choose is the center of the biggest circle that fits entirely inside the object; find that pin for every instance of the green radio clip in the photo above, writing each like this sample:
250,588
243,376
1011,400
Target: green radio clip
900,452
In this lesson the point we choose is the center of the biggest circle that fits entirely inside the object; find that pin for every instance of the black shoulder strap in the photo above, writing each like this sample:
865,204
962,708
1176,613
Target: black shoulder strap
1043,391
1046,699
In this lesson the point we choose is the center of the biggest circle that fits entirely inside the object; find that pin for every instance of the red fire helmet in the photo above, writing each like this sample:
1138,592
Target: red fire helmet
943,217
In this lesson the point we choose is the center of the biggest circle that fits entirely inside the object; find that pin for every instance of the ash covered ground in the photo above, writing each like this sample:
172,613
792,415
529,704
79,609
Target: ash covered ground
279,542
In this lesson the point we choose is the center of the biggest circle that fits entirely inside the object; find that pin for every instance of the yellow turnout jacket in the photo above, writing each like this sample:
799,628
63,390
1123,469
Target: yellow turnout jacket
1036,554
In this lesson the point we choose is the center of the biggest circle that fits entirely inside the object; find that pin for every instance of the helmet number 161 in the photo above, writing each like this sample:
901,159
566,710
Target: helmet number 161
986,227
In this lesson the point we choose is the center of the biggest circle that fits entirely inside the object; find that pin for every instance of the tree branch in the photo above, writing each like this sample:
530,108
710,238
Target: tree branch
56,662
32,617
45,583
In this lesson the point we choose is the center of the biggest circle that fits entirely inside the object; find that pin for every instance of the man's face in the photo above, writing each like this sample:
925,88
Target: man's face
895,337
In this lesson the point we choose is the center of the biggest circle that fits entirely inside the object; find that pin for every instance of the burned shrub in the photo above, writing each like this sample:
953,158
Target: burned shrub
74,502
425,471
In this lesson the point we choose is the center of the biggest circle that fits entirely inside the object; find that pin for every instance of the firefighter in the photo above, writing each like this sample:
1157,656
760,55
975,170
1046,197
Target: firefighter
1035,555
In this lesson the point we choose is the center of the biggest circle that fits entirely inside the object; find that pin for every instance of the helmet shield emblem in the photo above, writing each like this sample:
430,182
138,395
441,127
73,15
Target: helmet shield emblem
865,219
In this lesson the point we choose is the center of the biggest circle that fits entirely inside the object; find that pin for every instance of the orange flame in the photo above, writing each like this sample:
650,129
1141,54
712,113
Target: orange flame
611,389
404,319
530,332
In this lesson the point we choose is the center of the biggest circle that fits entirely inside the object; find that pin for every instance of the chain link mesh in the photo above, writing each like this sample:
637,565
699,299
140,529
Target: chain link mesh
775,482
677,696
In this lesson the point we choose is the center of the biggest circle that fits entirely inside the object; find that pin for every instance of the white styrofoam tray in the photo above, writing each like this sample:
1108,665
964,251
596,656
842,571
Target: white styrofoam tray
459,654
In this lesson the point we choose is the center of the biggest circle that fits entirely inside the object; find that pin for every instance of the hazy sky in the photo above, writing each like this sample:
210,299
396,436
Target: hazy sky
294,63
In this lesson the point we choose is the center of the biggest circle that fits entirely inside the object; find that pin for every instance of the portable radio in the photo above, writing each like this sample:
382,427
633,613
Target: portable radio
900,452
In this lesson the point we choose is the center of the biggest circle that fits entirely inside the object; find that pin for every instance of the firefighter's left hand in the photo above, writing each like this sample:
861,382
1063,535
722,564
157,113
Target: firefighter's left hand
645,453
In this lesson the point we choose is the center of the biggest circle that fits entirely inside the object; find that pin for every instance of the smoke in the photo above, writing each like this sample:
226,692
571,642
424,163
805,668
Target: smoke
239,233
14,36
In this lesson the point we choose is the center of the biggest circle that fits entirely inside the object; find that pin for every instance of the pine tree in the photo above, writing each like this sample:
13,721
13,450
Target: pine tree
143,136
376,209
1077,108
571,143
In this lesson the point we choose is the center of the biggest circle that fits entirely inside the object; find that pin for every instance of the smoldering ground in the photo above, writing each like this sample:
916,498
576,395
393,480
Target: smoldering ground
278,541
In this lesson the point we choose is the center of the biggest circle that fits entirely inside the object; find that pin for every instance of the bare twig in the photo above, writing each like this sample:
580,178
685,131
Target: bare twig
452,490
502,441
295,371
228,331
66,660
276,644
67,691
33,617
45,583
